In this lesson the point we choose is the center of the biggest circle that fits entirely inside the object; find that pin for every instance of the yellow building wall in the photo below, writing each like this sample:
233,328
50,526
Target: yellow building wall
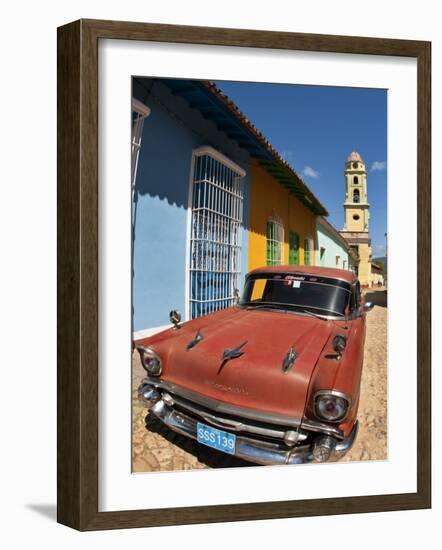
351,224
268,198
364,270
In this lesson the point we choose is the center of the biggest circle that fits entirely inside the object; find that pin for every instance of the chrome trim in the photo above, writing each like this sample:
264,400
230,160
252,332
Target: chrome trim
148,395
342,447
334,342
336,394
168,399
289,360
221,407
199,336
325,317
260,452
234,425
321,427
148,349
233,353
323,443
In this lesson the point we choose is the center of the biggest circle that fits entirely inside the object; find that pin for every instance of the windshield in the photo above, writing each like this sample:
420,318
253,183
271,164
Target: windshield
305,293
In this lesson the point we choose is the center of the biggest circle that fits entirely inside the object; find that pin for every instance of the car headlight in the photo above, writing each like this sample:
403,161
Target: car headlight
331,406
150,361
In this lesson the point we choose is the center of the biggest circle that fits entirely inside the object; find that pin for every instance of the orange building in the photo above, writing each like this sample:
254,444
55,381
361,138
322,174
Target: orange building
282,226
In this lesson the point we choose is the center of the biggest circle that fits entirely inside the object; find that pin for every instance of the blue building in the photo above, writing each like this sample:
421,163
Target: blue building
190,205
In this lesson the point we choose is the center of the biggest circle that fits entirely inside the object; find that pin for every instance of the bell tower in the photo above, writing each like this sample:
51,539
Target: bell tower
357,214
356,205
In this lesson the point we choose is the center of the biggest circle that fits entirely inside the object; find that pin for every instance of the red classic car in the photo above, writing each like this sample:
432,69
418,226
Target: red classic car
274,379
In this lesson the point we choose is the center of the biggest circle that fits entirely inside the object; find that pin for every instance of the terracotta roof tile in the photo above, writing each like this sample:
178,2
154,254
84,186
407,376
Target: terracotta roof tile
262,139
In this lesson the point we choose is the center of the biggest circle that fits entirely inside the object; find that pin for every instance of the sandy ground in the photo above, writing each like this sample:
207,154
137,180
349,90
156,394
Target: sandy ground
157,448
371,443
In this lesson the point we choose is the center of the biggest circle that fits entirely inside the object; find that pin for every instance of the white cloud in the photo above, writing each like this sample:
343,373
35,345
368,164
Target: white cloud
310,172
378,166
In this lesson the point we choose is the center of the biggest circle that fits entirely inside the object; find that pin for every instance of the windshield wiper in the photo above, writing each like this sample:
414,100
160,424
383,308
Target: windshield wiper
285,308
317,315
261,306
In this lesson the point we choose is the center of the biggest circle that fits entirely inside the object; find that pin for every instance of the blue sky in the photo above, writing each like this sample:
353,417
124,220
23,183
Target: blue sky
315,128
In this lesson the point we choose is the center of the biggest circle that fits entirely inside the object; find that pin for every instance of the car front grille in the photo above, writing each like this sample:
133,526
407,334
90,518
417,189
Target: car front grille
232,423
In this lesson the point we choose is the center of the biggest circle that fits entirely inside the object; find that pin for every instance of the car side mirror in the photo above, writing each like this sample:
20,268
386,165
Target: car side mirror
175,318
368,306
236,296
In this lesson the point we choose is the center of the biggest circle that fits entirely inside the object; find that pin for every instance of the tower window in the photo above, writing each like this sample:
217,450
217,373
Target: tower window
356,196
355,180
355,165
356,216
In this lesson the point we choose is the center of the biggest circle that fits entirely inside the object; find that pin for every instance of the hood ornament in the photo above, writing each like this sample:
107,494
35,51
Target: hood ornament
289,360
195,340
233,353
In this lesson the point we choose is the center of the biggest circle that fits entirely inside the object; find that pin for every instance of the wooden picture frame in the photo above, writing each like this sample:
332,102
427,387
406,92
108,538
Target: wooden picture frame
78,274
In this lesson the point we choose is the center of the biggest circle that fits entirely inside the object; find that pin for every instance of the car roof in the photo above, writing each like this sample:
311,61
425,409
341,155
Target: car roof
331,272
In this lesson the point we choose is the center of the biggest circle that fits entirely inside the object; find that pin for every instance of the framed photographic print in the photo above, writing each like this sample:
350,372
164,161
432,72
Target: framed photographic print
243,275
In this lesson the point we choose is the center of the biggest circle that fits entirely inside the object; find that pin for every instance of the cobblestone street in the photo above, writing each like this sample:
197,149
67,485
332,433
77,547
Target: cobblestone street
157,448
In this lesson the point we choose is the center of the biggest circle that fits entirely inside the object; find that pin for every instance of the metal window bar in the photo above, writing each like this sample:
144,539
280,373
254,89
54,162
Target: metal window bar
215,238
275,241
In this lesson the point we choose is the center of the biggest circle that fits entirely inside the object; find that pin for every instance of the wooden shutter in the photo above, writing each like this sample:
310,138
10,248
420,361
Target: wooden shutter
293,248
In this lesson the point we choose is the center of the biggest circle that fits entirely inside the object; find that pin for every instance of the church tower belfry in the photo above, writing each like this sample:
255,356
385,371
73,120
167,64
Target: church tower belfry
356,204
357,214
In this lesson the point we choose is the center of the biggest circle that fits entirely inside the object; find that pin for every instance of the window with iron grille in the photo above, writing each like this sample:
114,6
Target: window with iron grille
275,240
215,232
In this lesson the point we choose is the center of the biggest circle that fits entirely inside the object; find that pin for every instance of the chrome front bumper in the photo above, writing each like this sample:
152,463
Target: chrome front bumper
253,450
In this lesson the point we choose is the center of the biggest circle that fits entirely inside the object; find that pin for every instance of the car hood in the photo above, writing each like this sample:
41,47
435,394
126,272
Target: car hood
256,378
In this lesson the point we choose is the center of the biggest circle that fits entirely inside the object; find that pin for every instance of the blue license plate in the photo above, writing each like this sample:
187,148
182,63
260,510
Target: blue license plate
217,439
